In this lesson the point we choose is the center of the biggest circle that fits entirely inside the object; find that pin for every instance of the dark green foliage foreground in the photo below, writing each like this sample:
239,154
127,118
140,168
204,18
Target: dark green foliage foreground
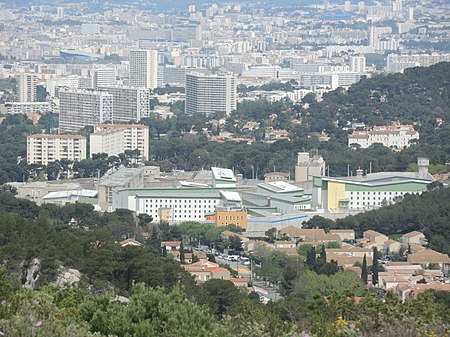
157,298
149,312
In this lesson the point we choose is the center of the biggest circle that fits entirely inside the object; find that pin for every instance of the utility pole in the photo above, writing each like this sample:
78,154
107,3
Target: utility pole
251,270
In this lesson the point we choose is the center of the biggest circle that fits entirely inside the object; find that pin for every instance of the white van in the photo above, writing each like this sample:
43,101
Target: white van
233,258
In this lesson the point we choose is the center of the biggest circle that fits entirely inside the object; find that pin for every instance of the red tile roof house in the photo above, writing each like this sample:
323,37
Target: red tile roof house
411,291
176,254
414,237
130,242
429,257
171,245
204,271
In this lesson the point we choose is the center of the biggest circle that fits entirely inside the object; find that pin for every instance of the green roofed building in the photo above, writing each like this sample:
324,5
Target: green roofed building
338,194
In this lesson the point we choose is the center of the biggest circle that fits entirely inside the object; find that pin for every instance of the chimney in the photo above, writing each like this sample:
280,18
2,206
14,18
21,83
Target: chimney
359,173
423,164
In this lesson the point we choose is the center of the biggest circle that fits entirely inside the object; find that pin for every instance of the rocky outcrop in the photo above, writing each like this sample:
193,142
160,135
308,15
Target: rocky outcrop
31,274
67,276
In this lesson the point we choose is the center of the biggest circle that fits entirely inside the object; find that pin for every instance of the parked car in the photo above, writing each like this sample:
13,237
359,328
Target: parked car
245,261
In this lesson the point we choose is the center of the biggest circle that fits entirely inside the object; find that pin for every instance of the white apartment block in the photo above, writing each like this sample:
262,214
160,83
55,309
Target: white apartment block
27,88
133,137
82,107
144,68
90,29
208,94
398,63
27,107
104,77
129,103
45,149
357,63
110,142
52,84
395,136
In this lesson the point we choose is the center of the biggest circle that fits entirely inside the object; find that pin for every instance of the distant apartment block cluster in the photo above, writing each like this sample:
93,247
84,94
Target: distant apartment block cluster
112,139
398,63
396,137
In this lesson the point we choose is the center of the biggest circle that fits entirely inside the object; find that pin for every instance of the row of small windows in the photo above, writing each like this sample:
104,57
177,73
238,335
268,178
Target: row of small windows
198,216
180,201
180,206
149,210
376,193
232,217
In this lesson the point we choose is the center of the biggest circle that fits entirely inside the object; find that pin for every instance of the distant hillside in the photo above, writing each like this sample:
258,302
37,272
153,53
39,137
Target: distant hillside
420,95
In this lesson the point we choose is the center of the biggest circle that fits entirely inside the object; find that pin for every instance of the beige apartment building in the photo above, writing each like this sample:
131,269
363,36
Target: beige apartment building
114,139
45,149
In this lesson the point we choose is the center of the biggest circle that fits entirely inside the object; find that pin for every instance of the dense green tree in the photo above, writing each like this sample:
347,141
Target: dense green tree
150,312
220,295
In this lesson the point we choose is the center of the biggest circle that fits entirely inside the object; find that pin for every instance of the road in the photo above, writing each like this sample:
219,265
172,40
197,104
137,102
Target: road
267,293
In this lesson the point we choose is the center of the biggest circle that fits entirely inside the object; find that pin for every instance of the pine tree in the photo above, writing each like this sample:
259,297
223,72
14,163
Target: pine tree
364,271
375,266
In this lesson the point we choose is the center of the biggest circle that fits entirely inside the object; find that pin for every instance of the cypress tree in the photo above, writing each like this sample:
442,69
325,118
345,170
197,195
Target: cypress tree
182,259
323,256
375,266
311,258
364,272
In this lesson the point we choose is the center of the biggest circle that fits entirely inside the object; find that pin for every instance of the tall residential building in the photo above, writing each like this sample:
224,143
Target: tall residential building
52,84
27,88
144,68
114,139
357,64
45,149
208,94
104,77
60,13
82,107
129,103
